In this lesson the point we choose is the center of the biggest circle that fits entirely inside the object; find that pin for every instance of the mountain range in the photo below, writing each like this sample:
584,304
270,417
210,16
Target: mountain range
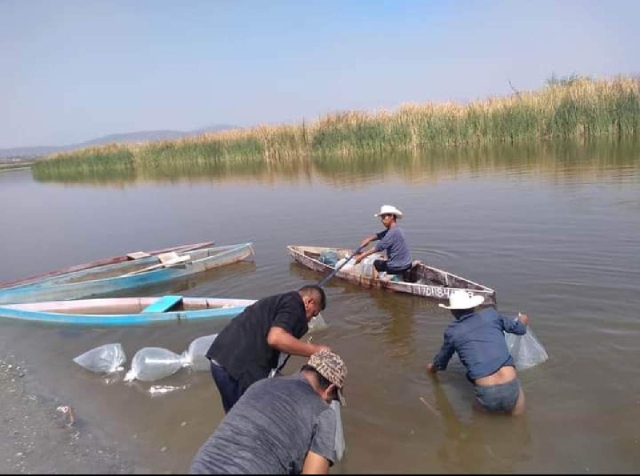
24,153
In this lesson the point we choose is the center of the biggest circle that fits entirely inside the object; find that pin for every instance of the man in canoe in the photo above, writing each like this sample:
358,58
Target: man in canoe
281,425
478,338
249,347
392,241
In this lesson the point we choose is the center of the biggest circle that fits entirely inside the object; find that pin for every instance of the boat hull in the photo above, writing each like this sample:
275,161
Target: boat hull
102,262
426,281
125,276
110,312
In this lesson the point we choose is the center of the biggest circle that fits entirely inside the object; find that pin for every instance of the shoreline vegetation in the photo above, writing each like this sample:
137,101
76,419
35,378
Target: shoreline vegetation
569,109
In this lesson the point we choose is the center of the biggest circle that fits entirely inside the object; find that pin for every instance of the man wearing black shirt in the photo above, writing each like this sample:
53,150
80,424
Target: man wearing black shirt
248,348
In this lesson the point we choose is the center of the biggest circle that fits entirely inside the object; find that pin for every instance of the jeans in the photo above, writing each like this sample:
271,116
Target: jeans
498,398
229,388
381,266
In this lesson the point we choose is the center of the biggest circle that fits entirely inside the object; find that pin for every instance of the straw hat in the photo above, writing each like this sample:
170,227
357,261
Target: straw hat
389,210
461,299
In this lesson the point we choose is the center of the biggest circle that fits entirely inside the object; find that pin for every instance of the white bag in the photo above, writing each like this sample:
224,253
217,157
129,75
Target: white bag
107,358
526,350
339,444
154,363
195,354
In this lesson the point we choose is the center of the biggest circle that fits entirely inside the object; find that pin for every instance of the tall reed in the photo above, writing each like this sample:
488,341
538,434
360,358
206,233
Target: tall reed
579,108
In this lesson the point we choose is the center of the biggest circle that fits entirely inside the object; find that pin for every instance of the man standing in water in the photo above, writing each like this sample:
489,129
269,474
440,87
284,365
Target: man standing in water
282,425
478,338
391,240
248,348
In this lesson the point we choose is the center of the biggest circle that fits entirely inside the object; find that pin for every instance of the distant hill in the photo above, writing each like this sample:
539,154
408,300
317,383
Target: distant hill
23,153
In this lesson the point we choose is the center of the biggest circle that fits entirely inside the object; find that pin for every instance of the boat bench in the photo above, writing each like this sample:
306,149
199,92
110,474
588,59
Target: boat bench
164,304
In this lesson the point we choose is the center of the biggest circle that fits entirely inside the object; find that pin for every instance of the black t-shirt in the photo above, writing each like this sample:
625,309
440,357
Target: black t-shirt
242,348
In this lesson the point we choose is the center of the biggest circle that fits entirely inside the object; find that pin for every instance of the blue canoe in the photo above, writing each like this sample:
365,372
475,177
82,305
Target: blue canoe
127,275
130,311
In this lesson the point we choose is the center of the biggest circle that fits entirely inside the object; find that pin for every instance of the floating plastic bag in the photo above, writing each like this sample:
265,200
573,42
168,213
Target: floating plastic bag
154,363
104,359
317,323
195,354
339,444
526,350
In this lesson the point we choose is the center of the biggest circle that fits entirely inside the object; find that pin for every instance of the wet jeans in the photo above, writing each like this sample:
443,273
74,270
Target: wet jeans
229,388
498,398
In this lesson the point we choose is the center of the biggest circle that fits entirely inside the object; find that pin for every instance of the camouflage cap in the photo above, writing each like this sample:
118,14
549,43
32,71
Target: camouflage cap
331,367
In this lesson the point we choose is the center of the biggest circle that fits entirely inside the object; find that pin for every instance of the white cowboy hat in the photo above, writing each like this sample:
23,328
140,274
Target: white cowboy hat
389,210
461,299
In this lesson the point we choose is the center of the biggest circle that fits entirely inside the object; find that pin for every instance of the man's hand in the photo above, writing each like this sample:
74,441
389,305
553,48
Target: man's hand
318,348
357,258
431,368
523,318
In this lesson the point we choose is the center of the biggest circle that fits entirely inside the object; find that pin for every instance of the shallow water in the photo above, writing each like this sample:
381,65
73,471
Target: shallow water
554,231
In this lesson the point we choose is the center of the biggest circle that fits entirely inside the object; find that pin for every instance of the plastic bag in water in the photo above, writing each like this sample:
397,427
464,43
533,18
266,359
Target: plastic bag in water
194,356
104,359
526,350
339,444
154,363
317,323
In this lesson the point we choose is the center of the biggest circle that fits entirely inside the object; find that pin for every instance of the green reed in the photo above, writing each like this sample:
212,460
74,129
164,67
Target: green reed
576,108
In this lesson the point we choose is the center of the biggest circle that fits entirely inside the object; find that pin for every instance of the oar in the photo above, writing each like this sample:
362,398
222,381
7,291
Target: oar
282,361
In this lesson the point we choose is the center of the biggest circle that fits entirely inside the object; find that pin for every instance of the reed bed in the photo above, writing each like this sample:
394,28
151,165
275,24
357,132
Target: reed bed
577,108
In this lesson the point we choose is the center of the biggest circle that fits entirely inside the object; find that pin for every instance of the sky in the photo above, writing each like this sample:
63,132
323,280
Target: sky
75,70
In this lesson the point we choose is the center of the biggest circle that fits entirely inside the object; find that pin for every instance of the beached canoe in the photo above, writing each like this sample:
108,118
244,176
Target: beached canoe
421,279
128,311
127,275
103,262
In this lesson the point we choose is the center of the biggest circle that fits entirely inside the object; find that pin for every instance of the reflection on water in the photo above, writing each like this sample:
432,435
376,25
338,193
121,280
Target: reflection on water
553,228
481,443
556,160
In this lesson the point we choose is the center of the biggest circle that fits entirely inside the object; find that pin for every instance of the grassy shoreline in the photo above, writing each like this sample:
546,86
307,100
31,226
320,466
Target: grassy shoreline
572,109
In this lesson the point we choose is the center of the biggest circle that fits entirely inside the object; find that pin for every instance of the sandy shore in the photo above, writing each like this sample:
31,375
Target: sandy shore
41,435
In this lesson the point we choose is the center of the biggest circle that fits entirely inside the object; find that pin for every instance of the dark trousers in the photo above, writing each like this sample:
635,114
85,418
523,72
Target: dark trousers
381,266
229,388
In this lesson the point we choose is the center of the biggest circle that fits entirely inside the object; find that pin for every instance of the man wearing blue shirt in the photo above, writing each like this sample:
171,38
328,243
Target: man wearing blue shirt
478,338
392,241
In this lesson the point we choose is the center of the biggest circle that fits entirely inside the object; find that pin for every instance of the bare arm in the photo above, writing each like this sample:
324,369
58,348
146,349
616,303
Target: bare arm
363,255
282,341
315,464
368,240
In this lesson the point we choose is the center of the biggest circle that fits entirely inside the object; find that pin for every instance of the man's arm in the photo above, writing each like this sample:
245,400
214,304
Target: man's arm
315,464
442,358
281,340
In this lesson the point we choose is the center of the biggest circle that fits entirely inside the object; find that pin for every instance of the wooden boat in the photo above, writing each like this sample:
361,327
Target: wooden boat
421,279
103,262
127,275
128,311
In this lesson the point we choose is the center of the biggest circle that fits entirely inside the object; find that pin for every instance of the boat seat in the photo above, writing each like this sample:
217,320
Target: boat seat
164,304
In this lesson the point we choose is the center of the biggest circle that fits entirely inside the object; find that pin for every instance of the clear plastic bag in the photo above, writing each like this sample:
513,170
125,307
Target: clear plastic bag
339,445
107,358
194,356
154,363
526,350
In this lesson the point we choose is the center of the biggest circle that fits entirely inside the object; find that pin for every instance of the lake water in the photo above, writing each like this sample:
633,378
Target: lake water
553,229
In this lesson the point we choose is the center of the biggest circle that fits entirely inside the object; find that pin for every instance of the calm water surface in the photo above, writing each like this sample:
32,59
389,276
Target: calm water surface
554,232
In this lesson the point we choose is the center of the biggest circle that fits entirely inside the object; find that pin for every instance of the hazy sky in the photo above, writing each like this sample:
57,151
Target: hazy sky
74,70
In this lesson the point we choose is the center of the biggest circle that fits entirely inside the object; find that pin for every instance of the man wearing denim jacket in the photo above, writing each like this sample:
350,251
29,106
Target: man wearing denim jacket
478,338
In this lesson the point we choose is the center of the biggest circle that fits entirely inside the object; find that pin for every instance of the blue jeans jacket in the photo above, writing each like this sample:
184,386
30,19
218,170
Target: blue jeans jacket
478,338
